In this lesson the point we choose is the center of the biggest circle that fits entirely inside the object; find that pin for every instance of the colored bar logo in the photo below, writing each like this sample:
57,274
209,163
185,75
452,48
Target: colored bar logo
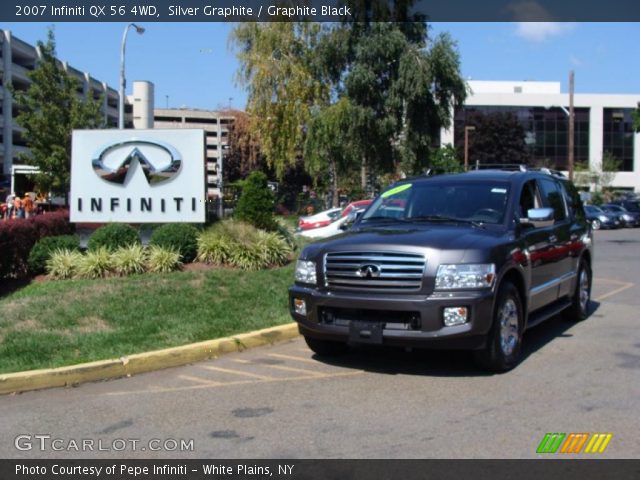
574,443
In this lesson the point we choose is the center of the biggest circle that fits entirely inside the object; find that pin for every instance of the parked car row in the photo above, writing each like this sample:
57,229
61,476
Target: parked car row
612,216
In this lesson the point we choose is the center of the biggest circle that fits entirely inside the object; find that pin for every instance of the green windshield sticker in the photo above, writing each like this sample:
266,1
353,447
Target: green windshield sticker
396,190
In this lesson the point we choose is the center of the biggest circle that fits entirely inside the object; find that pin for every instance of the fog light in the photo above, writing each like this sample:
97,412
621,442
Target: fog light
300,306
455,316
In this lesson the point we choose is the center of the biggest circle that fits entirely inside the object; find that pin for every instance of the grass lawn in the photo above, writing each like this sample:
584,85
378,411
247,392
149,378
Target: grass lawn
56,323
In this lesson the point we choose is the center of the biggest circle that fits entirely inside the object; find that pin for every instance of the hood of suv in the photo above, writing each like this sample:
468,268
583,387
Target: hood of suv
441,237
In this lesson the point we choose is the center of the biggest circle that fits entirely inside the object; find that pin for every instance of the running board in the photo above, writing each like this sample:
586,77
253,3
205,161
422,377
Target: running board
547,312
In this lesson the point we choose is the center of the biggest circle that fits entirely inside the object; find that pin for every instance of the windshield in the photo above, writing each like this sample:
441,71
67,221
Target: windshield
592,209
462,202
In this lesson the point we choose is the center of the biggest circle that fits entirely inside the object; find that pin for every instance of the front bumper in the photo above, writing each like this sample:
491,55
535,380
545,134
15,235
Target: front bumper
404,320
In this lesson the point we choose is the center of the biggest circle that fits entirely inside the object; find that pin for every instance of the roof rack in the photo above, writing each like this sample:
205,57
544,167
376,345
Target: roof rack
517,167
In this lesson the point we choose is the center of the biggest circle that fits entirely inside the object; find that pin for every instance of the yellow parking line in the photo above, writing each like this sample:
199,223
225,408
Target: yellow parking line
609,280
202,381
237,372
291,357
240,382
626,286
297,370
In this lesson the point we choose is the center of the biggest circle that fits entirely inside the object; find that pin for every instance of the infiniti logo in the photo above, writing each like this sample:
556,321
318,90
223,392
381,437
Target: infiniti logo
368,270
119,174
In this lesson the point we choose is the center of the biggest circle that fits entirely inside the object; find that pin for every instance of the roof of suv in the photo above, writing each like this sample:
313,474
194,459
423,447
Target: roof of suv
490,174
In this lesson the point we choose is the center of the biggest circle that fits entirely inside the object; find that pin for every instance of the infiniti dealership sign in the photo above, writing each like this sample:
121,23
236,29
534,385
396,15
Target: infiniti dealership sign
138,176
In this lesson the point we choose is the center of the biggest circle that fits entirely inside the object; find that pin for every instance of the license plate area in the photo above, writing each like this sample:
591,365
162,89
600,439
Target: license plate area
365,332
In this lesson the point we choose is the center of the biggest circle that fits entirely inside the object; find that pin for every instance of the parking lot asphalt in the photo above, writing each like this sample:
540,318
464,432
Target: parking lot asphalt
283,402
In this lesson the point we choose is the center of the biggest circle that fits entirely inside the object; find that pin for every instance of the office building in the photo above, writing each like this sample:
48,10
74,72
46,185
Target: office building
603,123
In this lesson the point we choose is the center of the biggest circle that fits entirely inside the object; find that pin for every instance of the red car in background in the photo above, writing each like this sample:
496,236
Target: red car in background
355,205
321,219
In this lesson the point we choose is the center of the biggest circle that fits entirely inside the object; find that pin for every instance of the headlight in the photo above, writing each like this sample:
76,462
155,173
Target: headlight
602,218
465,276
306,272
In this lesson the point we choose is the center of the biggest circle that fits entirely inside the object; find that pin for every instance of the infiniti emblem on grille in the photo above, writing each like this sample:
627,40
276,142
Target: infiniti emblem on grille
368,270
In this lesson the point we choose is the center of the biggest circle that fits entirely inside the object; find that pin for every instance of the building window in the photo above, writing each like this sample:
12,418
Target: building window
618,136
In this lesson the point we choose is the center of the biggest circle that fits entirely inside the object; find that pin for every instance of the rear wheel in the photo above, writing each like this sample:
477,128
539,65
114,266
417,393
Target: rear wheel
579,309
325,348
502,350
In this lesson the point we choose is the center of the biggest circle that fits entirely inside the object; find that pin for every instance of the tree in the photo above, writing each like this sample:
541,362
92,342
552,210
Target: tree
498,138
256,203
327,149
244,154
402,85
277,68
49,111
601,178
445,160
636,119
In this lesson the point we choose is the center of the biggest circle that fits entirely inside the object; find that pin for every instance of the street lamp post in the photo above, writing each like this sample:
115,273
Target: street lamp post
139,30
467,129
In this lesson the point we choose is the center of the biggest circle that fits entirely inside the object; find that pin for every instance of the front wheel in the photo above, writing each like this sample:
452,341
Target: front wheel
325,348
579,309
596,224
502,350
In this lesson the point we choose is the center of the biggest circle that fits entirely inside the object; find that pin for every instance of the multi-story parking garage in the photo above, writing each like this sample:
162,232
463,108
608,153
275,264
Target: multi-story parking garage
17,58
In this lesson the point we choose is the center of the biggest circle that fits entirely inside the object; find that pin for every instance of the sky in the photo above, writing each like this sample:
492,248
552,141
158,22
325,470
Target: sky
192,65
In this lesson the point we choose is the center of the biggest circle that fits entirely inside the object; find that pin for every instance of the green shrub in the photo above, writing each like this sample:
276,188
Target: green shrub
241,245
95,264
162,260
129,260
256,203
114,236
214,248
179,236
44,247
63,264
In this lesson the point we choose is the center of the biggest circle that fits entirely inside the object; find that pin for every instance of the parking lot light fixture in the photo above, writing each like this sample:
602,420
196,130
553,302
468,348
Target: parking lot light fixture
140,31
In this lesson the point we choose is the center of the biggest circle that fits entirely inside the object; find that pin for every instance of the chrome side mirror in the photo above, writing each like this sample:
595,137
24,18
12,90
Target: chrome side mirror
353,216
539,217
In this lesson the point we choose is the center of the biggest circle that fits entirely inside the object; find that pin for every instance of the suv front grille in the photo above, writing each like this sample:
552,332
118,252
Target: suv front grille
374,271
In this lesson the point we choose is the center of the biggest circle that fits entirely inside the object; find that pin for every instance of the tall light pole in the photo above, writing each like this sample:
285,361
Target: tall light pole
571,126
140,31
467,129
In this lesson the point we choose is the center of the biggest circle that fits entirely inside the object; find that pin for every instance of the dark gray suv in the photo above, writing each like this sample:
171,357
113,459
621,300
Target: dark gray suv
454,261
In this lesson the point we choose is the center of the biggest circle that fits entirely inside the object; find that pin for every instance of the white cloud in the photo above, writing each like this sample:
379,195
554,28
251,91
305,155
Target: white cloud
542,31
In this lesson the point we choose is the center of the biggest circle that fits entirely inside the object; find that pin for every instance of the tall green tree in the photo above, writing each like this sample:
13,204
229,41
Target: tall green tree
49,110
402,84
277,67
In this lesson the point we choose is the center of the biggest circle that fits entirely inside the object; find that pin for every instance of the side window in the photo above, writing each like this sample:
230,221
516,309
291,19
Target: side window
552,197
572,198
528,198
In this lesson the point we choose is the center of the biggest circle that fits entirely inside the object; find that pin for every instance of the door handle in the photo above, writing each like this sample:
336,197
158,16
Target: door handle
553,238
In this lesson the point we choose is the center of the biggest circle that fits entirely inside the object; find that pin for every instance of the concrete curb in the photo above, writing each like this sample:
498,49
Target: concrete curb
143,362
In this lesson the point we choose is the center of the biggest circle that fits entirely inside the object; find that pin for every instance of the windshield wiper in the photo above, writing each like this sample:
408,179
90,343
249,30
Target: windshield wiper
444,218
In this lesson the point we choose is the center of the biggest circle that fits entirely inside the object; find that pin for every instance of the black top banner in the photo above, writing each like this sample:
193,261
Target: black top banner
320,469
317,10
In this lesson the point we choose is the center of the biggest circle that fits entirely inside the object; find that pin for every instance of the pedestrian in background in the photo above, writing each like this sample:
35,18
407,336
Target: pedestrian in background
29,206
9,202
18,207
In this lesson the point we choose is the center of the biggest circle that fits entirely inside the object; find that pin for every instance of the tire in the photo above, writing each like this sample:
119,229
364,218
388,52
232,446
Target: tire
596,224
502,350
326,348
581,298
